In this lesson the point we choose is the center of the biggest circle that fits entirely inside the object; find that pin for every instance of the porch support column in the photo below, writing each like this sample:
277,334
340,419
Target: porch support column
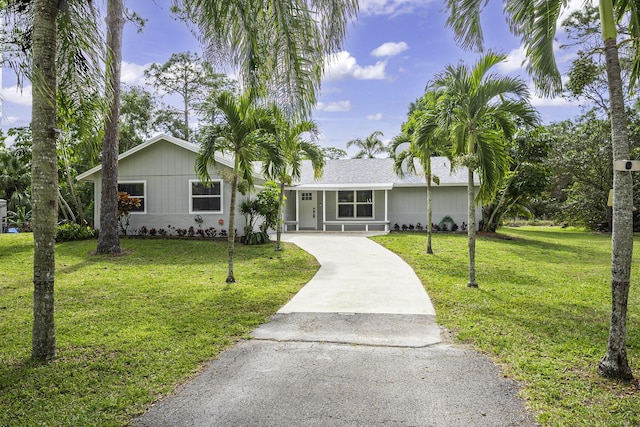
324,210
297,211
386,210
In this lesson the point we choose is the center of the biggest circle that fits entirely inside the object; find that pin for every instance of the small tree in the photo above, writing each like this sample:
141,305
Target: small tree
268,205
265,205
125,205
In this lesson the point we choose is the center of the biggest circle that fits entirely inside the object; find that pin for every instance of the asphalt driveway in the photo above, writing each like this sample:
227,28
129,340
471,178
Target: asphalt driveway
357,346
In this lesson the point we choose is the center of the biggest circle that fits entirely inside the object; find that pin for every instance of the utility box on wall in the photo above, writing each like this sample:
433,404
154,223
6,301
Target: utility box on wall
3,216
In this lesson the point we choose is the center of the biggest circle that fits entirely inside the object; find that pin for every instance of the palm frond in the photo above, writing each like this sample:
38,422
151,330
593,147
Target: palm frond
277,45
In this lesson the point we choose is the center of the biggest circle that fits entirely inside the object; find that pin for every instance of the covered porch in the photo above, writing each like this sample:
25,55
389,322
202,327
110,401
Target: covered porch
337,207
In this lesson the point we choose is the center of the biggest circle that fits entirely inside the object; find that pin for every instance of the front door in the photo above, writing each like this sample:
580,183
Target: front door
308,210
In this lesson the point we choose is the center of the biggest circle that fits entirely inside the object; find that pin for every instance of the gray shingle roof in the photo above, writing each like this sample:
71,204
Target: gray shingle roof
360,173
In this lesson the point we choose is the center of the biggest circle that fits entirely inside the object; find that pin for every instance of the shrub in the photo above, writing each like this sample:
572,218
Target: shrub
255,238
71,231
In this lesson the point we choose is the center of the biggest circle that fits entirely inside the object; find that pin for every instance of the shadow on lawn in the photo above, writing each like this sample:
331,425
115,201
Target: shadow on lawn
168,252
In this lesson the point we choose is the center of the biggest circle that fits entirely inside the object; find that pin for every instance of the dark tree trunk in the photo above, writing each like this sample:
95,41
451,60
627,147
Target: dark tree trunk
471,232
429,215
232,220
279,220
44,177
109,239
615,364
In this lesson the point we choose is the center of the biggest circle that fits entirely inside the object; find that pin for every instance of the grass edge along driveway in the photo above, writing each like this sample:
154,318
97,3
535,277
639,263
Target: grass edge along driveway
542,311
131,328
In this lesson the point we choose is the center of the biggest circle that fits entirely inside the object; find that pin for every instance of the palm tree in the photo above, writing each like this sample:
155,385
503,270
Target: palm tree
535,23
289,137
405,153
369,147
279,46
479,112
62,56
423,143
242,135
44,176
109,239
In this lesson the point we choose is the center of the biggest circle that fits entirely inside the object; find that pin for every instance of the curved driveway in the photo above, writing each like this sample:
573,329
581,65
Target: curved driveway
357,346
357,276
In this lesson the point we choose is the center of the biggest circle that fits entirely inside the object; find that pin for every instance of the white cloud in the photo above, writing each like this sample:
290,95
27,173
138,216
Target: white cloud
334,107
516,60
342,65
389,49
376,116
16,96
558,101
538,101
133,74
391,7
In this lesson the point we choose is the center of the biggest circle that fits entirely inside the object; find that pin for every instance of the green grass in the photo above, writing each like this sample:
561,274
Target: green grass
542,311
130,328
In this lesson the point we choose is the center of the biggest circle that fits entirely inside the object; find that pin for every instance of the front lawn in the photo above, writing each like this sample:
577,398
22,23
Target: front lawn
130,328
542,311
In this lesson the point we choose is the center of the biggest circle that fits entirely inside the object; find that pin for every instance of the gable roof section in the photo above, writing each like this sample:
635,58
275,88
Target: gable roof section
376,173
224,160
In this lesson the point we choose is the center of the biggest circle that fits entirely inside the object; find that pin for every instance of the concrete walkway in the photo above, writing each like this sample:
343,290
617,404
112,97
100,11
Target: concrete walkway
357,346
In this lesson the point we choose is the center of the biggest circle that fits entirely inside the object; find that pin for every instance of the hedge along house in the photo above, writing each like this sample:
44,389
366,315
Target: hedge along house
161,172
367,195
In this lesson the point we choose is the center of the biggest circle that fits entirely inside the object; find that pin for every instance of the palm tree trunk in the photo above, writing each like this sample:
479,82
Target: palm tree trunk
279,220
232,220
109,239
471,232
44,177
615,364
429,214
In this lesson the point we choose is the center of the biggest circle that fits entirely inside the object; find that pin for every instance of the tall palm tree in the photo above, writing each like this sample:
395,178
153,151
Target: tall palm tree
479,111
424,142
44,176
295,149
369,147
279,46
535,23
109,238
60,55
241,134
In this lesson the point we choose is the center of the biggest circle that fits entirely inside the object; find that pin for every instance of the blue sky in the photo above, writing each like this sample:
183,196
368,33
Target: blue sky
392,50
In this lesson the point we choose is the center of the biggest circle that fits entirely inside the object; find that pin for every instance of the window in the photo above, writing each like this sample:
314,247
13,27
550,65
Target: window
307,196
136,189
355,204
205,197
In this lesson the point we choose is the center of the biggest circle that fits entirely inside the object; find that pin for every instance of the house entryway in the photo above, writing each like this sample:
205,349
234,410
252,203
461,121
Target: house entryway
308,210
